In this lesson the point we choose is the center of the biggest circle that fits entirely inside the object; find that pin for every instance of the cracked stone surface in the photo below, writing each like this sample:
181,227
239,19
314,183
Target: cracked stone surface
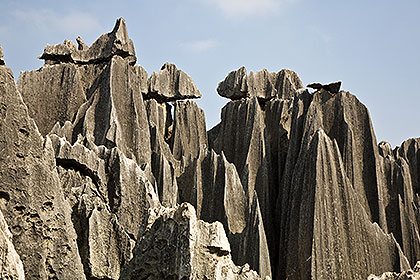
109,173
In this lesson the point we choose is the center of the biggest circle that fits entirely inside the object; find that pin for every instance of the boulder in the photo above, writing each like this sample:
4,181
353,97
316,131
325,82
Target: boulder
171,84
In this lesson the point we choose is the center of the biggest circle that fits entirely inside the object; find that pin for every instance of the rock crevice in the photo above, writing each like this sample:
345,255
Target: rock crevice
109,174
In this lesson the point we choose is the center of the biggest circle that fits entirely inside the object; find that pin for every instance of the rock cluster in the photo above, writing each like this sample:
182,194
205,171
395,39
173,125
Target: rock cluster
115,43
411,274
106,173
263,84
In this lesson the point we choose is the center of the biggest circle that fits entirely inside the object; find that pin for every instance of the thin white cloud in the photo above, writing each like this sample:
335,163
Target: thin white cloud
47,20
199,46
244,8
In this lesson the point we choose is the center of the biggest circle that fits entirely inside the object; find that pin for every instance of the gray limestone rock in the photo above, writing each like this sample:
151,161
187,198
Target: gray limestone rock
235,85
11,266
213,186
115,114
288,82
187,140
401,205
290,184
171,84
263,84
110,196
255,139
34,205
56,89
115,43
322,202
174,244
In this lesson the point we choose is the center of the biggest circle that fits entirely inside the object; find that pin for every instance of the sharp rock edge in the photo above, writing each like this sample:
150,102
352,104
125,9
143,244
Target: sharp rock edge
107,173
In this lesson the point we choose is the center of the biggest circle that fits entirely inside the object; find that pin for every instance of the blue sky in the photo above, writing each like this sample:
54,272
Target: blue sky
372,46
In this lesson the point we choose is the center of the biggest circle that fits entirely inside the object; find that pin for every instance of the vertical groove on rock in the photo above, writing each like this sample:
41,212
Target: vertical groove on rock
106,174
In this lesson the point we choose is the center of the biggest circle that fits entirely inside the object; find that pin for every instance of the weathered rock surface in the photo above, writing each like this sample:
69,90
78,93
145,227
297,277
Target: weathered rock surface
56,89
33,205
115,43
96,168
323,202
255,139
411,274
174,244
11,266
114,113
263,84
171,84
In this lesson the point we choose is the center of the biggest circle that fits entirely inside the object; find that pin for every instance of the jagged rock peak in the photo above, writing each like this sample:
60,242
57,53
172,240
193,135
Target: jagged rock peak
333,87
385,149
104,48
1,56
262,84
171,84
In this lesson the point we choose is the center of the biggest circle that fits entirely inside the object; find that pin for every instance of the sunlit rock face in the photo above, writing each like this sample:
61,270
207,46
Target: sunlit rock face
107,172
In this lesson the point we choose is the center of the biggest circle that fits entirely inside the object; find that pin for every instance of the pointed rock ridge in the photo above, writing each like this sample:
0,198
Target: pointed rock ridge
253,246
11,265
331,87
1,57
401,202
346,120
410,151
255,139
323,202
102,102
110,195
174,244
213,186
263,84
385,149
115,113
187,140
36,211
171,84
115,43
